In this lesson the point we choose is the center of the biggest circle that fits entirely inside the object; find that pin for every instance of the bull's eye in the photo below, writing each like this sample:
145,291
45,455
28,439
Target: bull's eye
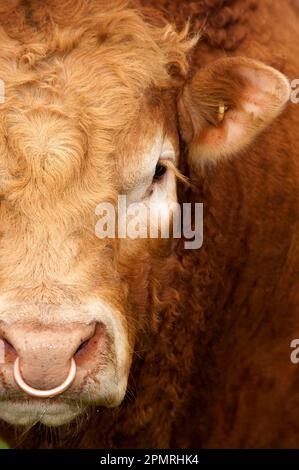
159,171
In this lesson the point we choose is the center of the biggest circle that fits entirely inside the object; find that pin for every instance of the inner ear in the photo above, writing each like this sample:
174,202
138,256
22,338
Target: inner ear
227,104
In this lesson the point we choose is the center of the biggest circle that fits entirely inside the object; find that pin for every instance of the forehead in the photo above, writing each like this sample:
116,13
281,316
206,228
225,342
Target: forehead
95,102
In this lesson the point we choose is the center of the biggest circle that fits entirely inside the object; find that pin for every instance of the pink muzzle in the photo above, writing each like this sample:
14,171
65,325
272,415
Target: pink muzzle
44,393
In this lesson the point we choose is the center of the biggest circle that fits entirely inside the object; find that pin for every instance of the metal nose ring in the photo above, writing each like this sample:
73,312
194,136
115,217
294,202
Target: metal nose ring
34,392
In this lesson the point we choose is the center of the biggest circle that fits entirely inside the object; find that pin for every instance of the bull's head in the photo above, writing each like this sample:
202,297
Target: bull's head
92,112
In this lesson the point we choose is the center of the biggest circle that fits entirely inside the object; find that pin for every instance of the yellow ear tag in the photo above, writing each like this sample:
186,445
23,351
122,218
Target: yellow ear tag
221,111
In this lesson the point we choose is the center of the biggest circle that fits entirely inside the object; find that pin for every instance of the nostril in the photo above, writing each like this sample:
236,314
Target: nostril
91,347
10,354
82,346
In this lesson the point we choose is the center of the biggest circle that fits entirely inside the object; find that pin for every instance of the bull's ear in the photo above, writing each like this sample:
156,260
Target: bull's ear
227,104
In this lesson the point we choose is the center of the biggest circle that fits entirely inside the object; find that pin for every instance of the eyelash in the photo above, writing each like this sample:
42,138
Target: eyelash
160,171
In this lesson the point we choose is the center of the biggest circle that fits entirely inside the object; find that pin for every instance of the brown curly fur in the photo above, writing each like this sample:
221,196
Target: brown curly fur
214,368
224,22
